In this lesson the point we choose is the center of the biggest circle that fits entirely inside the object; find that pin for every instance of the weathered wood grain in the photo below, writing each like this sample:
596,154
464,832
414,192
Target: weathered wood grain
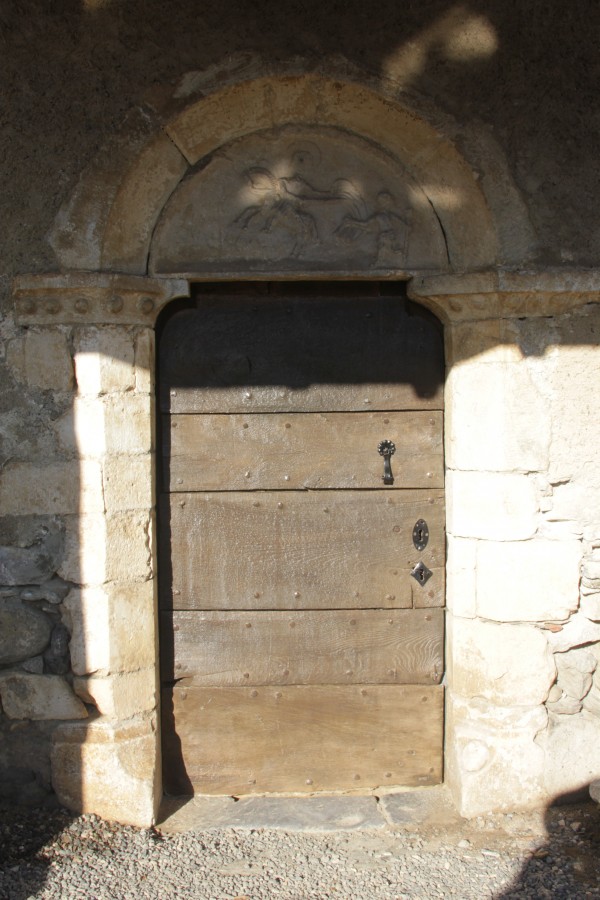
302,739
299,550
304,647
234,354
319,450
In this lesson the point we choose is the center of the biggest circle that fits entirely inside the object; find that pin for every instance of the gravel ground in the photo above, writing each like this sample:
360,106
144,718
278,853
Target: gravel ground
52,854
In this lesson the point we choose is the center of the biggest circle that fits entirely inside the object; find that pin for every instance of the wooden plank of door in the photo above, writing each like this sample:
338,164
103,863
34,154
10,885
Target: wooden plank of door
232,740
320,450
300,354
304,647
300,550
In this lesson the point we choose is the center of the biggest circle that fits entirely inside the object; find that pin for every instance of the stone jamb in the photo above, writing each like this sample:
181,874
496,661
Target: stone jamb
95,759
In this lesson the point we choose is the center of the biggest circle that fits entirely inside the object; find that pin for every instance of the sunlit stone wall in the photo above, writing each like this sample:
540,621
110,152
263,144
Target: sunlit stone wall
523,494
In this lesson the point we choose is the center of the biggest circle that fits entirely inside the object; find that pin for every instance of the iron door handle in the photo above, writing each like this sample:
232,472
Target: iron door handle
387,449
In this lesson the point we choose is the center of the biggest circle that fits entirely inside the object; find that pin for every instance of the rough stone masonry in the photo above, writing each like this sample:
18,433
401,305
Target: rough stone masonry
120,117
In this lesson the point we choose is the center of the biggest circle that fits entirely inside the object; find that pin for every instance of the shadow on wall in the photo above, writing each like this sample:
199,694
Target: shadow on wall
68,485
484,61
93,62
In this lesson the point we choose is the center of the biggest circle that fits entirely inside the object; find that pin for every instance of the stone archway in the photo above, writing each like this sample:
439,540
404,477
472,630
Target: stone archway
118,245
108,224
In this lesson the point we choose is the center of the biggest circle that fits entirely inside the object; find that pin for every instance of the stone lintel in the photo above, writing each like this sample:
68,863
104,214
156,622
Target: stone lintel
498,294
93,299
115,299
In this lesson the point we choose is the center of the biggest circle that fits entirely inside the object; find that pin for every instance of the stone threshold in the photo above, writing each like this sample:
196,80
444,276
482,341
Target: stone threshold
408,809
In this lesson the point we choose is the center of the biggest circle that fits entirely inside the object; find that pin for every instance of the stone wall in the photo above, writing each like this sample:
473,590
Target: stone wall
77,635
120,103
523,494
523,489
517,90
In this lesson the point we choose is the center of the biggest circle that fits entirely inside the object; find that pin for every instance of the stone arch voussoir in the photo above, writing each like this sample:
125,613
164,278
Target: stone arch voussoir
108,223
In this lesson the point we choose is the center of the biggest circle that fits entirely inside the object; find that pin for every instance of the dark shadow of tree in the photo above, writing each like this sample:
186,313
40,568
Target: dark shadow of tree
25,836
567,865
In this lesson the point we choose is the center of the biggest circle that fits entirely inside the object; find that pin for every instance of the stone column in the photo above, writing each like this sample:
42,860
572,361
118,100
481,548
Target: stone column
523,493
108,763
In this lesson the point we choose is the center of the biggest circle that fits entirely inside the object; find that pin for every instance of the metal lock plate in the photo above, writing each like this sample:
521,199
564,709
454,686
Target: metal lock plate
421,573
420,534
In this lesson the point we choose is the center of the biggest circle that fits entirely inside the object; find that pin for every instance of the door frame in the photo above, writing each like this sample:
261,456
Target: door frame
229,288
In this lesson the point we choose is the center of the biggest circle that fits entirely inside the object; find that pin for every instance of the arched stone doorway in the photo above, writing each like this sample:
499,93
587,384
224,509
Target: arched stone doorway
307,177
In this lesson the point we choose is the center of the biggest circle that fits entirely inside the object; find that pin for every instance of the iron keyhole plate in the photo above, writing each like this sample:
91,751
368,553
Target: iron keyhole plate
420,534
421,574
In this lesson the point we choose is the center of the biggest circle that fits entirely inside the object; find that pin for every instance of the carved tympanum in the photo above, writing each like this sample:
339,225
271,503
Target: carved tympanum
314,216
298,200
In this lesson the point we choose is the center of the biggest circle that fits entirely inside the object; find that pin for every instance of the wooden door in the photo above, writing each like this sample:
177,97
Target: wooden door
301,648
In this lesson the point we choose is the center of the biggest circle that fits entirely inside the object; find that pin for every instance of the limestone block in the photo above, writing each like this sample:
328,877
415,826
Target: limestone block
577,632
591,702
554,694
42,360
120,696
104,360
579,500
487,341
565,706
129,537
493,760
530,581
553,530
492,506
144,361
506,664
572,752
461,568
590,606
80,430
87,617
25,565
128,483
129,423
35,665
108,768
58,488
141,196
572,362
52,591
85,550
113,629
24,632
590,570
111,424
27,696
33,547
57,659
580,659
497,420
133,623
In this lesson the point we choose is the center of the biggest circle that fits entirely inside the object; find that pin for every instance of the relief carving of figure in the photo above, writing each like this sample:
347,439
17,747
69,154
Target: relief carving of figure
388,227
292,204
306,221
